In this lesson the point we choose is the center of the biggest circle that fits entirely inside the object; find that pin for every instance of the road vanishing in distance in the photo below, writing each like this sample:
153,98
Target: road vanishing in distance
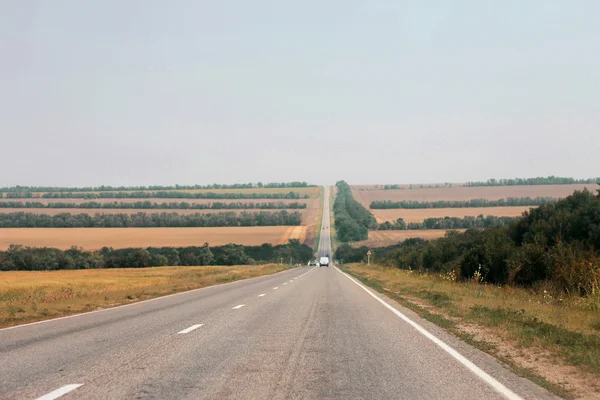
304,333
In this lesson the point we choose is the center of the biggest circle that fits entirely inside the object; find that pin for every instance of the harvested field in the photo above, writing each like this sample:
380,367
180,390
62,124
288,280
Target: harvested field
296,232
366,196
27,296
96,238
91,211
418,215
160,201
311,191
388,238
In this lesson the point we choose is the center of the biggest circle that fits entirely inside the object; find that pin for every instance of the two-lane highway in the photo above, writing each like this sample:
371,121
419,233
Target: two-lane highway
305,333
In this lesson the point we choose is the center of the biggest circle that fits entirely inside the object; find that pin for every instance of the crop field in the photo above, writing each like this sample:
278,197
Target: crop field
142,237
96,238
311,191
419,214
388,238
27,296
366,194
306,212
156,200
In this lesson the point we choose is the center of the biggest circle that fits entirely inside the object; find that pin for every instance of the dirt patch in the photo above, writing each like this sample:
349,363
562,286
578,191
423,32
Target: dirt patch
293,232
539,361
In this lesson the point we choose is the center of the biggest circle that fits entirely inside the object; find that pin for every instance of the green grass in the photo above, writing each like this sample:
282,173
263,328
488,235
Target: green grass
577,348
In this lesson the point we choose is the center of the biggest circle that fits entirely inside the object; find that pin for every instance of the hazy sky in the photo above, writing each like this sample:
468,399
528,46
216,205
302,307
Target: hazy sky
164,92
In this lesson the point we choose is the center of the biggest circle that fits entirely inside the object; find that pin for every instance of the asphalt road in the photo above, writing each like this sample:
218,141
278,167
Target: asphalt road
305,333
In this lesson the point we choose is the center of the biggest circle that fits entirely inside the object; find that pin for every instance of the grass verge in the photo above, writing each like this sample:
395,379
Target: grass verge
554,342
334,240
27,296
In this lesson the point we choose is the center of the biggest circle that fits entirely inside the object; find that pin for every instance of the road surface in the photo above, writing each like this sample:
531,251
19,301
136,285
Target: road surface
305,333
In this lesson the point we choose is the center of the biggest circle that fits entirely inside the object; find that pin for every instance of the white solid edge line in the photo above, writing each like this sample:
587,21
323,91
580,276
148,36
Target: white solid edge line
60,392
484,376
238,306
137,302
191,328
261,295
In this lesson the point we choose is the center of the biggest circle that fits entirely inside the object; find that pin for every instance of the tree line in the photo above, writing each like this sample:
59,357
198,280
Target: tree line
351,220
104,188
549,180
555,243
468,222
415,186
161,194
149,220
19,258
472,203
152,205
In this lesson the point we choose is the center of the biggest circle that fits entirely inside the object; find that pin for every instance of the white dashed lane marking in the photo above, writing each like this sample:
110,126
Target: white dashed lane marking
238,306
191,328
261,295
60,392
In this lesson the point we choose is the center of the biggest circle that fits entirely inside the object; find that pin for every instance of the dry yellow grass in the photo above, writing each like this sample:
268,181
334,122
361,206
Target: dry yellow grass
27,296
366,196
418,215
96,238
388,238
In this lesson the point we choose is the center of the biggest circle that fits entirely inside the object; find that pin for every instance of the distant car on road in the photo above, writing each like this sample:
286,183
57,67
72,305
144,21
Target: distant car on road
313,263
324,262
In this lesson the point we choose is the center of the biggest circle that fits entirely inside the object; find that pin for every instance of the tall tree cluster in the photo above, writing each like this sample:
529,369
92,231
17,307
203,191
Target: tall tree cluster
19,258
147,220
216,205
104,188
351,220
472,203
549,180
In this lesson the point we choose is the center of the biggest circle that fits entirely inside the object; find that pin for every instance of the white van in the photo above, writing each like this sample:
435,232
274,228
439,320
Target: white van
324,262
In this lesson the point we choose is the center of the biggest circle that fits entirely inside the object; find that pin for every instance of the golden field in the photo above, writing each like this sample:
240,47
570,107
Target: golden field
388,238
27,296
419,214
96,238
142,237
